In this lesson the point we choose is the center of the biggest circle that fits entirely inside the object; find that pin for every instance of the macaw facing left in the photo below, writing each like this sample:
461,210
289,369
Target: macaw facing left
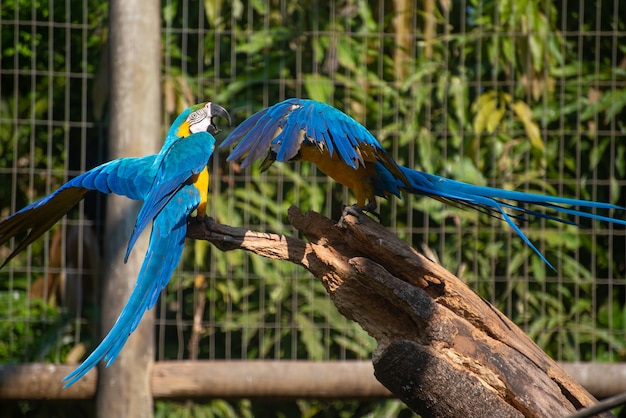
172,185
307,130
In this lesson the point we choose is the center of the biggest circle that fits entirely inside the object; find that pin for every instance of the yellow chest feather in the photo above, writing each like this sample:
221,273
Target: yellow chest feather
201,182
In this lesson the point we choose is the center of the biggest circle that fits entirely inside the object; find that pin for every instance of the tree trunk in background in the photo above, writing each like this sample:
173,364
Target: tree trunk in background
135,36
430,27
402,23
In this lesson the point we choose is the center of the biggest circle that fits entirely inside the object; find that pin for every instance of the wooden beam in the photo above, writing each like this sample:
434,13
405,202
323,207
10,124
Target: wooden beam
268,379
601,379
41,381
208,379
255,378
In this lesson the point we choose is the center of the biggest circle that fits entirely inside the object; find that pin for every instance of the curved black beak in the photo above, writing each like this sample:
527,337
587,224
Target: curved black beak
217,111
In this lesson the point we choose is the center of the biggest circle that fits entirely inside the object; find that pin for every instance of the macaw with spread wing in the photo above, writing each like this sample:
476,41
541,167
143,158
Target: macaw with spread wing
172,185
306,130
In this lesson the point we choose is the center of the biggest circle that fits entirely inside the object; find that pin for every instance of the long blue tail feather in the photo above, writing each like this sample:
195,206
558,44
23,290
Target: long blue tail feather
164,252
491,199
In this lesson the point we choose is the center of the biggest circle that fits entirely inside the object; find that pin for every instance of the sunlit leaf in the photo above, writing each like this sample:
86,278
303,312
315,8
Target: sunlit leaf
319,87
524,113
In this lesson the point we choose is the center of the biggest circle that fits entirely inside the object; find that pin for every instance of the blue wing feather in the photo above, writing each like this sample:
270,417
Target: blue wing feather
129,177
164,252
261,139
324,126
289,142
181,161
255,134
242,129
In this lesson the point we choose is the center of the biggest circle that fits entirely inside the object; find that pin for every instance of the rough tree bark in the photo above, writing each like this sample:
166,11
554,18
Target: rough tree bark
442,349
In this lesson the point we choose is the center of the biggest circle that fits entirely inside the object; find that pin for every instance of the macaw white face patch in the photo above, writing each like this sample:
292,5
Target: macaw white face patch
201,119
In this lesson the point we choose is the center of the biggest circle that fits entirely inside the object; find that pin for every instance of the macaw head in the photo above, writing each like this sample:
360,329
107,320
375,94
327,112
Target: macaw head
200,119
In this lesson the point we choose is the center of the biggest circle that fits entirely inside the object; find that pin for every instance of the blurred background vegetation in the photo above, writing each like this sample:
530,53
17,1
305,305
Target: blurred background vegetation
518,94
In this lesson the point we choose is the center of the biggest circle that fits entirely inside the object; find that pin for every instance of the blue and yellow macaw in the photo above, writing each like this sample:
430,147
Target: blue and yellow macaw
172,184
306,130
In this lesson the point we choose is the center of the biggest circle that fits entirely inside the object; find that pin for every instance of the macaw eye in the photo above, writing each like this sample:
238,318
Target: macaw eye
197,116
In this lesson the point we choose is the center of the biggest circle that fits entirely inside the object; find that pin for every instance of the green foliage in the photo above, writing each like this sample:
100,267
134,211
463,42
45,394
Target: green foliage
38,87
304,409
34,329
512,135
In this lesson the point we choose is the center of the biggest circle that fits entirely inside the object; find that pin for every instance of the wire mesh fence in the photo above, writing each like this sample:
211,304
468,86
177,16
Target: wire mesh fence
517,95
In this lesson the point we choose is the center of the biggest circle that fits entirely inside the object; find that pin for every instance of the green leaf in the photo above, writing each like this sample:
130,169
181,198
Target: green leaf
346,50
465,170
494,119
484,106
319,87
311,337
524,113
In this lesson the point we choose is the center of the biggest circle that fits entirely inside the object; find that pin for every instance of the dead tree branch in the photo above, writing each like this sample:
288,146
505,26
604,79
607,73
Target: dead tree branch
442,349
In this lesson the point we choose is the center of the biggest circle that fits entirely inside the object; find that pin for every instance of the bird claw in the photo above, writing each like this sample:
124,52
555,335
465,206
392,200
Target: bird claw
353,210
358,212
371,208
208,221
